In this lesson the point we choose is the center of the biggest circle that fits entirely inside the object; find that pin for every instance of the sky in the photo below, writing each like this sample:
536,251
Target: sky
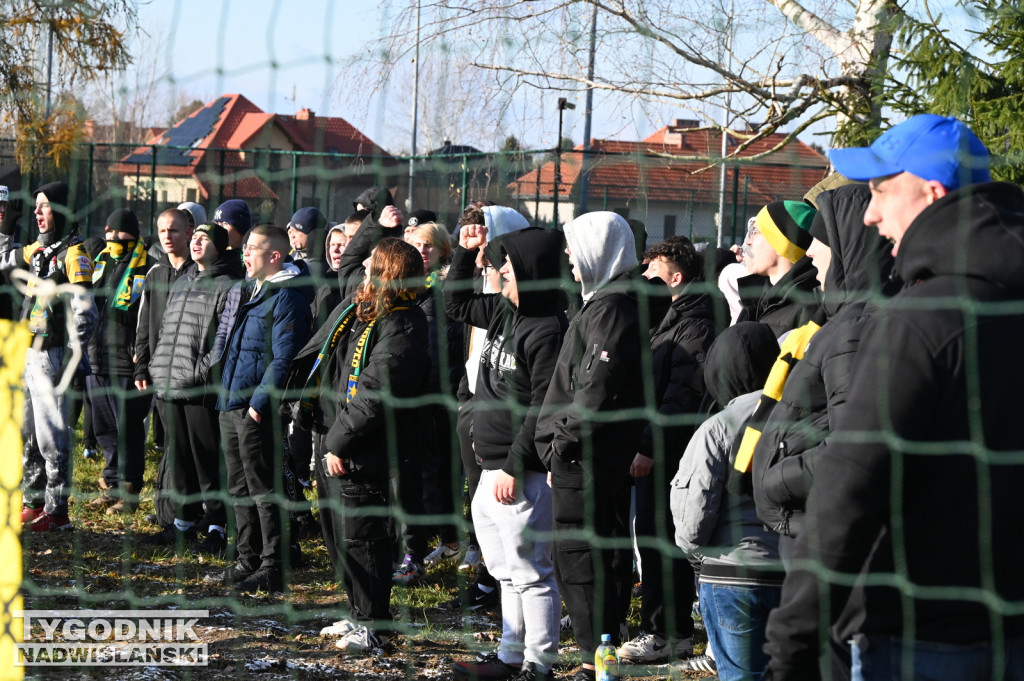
286,56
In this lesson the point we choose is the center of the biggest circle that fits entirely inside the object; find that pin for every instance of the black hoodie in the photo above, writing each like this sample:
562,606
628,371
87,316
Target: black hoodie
520,347
919,485
795,433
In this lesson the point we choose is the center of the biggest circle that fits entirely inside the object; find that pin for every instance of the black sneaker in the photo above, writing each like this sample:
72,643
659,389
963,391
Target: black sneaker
234,573
307,527
476,599
530,673
295,556
214,544
583,674
486,667
264,579
171,536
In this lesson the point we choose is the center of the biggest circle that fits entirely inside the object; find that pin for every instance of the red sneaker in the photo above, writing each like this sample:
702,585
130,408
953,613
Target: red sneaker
30,513
49,523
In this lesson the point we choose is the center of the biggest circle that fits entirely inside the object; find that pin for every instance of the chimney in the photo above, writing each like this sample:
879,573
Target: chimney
305,114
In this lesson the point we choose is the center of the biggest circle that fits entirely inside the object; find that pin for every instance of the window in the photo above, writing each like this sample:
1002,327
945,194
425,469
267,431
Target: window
670,226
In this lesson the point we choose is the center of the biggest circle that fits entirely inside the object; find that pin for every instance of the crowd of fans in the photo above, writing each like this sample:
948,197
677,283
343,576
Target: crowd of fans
790,433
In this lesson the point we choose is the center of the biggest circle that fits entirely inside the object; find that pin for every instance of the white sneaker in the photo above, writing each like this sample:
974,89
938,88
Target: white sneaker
472,559
360,640
645,648
339,628
442,553
701,663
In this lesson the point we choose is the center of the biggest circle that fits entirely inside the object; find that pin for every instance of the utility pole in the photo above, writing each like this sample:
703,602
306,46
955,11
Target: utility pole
588,116
415,111
725,127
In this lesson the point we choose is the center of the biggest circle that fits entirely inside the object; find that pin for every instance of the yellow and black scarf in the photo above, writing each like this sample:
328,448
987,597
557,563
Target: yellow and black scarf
130,287
791,352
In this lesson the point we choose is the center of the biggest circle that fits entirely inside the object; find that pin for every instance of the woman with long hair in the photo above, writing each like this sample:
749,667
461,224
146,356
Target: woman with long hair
445,345
385,366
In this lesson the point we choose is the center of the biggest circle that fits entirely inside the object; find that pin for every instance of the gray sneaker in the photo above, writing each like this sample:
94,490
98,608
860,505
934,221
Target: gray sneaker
360,640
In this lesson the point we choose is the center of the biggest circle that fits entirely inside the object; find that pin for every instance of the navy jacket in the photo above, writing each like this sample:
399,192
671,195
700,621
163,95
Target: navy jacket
265,334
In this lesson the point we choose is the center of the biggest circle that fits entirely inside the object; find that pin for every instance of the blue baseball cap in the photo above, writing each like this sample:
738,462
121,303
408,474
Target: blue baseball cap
932,147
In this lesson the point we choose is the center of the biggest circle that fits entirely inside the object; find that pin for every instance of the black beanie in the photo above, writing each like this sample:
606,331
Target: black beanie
123,220
217,234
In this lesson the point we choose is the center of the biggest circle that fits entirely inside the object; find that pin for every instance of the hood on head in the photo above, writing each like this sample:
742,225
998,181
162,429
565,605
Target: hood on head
535,254
739,361
977,231
197,212
603,247
57,194
502,220
340,227
861,259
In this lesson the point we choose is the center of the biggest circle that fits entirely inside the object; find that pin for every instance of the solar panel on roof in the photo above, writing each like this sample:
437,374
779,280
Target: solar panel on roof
188,133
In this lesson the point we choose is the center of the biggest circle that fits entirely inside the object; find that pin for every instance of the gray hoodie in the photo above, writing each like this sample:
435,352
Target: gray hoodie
602,248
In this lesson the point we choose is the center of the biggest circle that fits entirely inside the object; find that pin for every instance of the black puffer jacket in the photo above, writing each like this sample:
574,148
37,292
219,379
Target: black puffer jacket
679,347
159,280
921,486
795,433
180,368
520,346
790,303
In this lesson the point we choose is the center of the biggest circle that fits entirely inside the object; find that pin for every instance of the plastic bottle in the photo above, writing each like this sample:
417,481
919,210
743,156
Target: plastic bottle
606,660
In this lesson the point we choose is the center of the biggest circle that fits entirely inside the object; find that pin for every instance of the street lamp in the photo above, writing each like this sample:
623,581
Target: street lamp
562,106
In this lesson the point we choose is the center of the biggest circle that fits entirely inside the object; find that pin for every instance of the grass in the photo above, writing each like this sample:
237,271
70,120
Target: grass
103,564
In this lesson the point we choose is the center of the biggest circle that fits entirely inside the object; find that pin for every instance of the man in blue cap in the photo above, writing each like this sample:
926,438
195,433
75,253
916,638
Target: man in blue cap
912,553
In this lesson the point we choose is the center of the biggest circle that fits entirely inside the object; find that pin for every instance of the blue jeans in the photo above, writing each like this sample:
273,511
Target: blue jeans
735,619
886,657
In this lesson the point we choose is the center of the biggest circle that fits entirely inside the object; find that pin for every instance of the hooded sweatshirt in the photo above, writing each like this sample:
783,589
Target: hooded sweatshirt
499,220
60,257
519,349
918,482
797,429
603,248
328,292
599,367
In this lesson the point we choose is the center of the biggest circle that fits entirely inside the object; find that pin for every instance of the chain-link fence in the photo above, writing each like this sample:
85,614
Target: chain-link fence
671,196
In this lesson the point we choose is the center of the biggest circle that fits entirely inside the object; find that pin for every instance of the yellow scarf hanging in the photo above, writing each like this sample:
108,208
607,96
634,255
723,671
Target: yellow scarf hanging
791,352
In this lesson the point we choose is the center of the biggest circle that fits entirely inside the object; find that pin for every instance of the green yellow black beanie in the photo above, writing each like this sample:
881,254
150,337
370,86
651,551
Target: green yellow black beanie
786,227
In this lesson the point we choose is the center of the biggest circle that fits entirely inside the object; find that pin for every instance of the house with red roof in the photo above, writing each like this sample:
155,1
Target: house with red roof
231,149
672,181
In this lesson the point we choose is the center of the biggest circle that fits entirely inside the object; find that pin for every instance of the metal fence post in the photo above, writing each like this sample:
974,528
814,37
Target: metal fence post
88,190
295,182
152,187
465,180
220,181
